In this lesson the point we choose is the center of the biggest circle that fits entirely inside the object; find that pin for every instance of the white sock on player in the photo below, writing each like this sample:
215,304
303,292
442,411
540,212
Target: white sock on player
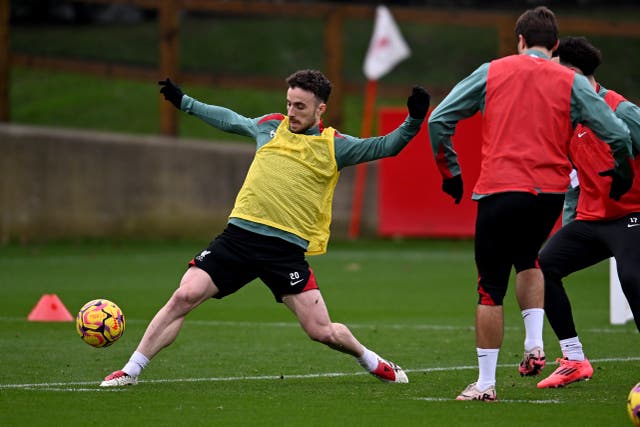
487,364
572,349
533,323
368,360
136,364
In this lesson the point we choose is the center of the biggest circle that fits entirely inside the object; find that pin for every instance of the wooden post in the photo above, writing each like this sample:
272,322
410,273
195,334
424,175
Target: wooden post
4,60
360,180
506,37
333,52
169,23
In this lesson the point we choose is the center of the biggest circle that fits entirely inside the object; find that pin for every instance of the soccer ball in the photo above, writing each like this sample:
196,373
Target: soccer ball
100,323
633,405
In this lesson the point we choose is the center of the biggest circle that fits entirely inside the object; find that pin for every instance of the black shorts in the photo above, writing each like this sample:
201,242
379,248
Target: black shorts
581,244
510,229
237,256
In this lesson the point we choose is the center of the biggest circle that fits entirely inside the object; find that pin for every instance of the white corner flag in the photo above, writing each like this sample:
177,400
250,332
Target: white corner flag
387,46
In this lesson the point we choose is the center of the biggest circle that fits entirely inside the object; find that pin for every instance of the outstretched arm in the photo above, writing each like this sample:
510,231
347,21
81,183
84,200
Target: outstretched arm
351,150
219,117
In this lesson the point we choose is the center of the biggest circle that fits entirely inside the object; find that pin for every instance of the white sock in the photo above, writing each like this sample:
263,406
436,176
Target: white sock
136,364
368,360
533,323
487,362
572,348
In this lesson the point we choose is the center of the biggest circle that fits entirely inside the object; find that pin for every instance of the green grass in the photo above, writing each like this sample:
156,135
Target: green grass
274,46
244,361
253,46
74,100
270,46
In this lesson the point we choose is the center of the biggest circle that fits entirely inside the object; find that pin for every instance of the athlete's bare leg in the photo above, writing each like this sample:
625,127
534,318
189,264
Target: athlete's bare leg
530,289
311,311
195,287
489,326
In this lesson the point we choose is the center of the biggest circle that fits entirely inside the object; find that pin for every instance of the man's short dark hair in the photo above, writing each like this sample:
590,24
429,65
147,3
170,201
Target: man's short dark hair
578,52
312,81
539,27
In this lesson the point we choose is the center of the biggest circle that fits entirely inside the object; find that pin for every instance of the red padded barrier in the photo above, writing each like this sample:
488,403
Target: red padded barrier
410,201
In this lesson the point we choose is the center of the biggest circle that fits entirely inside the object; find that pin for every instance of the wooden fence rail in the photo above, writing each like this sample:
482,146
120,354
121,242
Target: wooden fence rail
333,15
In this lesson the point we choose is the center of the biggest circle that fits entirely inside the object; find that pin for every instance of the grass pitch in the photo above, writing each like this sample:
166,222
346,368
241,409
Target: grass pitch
244,361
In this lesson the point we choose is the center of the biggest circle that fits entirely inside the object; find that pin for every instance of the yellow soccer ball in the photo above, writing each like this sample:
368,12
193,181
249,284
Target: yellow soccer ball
633,405
100,323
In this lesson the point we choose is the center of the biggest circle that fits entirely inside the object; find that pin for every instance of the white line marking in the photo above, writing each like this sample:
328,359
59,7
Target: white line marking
444,399
69,386
74,389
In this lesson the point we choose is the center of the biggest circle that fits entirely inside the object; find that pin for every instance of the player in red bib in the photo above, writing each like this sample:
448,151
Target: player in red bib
530,107
603,227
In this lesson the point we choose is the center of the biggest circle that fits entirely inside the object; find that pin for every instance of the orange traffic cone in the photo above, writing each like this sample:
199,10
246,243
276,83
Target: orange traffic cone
50,309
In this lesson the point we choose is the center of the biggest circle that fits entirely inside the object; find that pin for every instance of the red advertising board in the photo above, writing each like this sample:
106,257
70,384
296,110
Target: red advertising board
410,200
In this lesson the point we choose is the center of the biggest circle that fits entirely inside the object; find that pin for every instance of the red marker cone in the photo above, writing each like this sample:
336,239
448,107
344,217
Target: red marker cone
50,309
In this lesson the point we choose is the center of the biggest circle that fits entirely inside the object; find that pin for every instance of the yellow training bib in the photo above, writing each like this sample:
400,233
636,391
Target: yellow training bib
290,186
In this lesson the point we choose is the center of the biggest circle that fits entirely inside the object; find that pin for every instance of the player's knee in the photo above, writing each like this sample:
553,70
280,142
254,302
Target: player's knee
627,274
550,269
322,335
630,282
185,298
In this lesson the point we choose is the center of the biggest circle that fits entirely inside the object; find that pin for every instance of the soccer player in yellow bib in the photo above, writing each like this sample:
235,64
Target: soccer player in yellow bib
281,214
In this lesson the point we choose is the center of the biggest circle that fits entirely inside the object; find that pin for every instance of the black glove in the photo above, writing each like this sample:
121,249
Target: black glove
418,102
453,187
171,92
620,184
